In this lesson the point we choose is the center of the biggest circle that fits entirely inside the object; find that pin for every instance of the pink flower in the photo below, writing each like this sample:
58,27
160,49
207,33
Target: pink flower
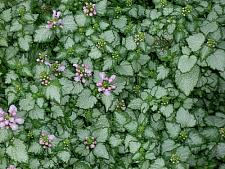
46,139
89,9
55,21
10,119
82,72
105,84
11,167
56,14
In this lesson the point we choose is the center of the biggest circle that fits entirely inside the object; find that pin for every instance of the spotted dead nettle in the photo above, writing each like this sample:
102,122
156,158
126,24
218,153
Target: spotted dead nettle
89,9
46,139
105,85
11,167
55,21
90,142
10,119
83,72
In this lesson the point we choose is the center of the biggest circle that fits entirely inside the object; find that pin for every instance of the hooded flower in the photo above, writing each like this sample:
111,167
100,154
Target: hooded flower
89,9
82,72
10,119
46,139
55,21
11,167
105,84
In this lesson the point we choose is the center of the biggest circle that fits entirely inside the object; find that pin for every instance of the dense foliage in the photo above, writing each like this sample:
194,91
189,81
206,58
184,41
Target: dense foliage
125,84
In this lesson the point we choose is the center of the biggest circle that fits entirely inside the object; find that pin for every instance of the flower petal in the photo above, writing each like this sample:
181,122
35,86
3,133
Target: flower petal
102,75
12,110
1,112
51,137
107,92
19,120
14,126
112,78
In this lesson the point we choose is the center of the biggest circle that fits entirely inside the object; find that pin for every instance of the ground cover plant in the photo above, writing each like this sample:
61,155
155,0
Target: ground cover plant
112,84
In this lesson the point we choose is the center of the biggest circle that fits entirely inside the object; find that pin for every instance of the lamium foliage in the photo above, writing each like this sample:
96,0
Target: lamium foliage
105,84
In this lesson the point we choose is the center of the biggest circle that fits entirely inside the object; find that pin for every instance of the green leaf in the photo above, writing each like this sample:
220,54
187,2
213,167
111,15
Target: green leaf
24,42
125,68
173,129
34,164
183,153
16,26
107,64
95,53
101,151
195,41
42,34
159,163
10,76
3,42
101,7
186,63
53,92
107,101
120,23
162,72
130,44
37,113
6,15
220,150
115,140
217,60
168,145
101,134
187,81
135,104
35,148
108,36
69,23
80,20
28,103
17,151
185,118
57,111
86,100
209,27
5,135
167,110
64,156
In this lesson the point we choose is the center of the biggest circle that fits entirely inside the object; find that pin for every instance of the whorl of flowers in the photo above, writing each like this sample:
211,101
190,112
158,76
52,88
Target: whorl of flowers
82,72
89,9
56,67
105,84
11,167
46,139
10,119
90,142
55,21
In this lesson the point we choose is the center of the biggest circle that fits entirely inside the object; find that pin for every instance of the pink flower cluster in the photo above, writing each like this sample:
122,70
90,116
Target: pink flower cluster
105,84
89,9
90,142
55,21
46,139
10,119
11,167
82,72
